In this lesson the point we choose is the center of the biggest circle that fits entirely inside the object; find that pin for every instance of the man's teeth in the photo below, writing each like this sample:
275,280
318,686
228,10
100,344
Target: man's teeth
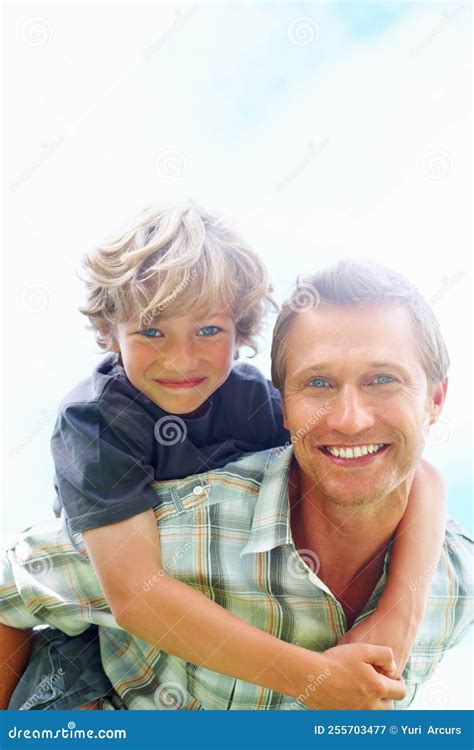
355,452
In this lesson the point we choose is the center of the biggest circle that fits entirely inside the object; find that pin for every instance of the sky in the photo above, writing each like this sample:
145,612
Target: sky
320,130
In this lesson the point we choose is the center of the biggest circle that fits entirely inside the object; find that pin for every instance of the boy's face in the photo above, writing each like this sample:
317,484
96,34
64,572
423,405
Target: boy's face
179,362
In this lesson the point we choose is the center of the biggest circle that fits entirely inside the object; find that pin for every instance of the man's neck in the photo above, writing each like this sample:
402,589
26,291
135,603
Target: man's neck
350,541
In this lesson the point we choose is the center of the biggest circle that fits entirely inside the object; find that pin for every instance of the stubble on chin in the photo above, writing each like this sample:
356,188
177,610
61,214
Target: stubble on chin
356,495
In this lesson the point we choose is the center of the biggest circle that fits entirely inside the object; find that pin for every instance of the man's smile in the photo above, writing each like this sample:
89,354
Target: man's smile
354,455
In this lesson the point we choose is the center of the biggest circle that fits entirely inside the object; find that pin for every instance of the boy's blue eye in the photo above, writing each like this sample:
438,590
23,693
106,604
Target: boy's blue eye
318,382
151,333
209,331
383,379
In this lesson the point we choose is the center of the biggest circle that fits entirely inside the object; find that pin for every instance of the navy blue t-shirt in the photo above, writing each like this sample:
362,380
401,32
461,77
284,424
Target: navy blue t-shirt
111,441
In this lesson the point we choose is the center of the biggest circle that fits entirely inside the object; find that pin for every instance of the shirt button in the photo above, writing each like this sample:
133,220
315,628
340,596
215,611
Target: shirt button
198,490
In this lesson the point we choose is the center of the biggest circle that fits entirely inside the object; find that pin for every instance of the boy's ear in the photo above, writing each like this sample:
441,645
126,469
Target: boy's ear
437,399
107,330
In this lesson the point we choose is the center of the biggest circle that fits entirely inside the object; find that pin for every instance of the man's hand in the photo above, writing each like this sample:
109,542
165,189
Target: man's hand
354,678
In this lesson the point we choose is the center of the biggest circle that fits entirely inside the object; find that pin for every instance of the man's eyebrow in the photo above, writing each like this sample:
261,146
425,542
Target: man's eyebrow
327,365
384,365
304,371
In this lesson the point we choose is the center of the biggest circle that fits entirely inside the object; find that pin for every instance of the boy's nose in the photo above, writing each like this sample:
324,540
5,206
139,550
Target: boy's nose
181,361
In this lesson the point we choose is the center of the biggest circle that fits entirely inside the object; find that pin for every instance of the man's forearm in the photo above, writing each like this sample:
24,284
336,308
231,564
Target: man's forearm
203,633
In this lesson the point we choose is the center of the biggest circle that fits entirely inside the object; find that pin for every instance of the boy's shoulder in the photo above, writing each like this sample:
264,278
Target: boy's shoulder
244,374
106,388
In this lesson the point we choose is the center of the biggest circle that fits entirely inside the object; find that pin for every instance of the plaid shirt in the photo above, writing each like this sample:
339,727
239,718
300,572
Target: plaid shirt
227,533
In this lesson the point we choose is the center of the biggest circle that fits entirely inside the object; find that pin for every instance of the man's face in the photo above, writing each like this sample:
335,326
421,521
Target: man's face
356,399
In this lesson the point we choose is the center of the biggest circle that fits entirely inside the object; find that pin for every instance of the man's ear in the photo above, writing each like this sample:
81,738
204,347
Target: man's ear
284,412
437,399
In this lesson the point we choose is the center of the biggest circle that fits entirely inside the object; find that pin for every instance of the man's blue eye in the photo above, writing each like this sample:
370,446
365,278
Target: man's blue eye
209,331
383,379
318,382
151,333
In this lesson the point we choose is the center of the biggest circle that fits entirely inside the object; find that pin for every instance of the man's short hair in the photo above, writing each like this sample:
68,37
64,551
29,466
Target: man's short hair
352,282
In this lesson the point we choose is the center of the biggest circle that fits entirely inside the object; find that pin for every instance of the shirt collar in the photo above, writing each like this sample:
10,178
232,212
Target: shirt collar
271,525
271,522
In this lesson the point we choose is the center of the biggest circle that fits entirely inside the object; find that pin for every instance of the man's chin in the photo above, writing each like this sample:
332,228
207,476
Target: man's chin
354,501
351,493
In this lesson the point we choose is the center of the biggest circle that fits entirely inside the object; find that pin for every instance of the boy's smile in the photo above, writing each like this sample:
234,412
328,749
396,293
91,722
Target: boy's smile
184,383
180,361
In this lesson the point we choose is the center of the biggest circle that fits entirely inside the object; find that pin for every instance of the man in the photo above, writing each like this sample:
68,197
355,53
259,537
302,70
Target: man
361,367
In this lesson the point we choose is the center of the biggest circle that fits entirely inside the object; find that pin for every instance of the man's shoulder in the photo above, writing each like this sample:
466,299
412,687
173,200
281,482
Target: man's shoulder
456,559
250,467
448,614
456,535
237,482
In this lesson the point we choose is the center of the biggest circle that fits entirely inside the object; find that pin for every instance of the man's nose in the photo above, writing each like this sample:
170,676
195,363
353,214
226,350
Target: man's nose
349,413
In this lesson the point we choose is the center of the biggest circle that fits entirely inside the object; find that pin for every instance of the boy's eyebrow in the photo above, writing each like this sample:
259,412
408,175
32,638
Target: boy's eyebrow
212,316
156,322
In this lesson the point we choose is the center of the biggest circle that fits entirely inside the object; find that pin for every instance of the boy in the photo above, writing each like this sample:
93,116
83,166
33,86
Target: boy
173,298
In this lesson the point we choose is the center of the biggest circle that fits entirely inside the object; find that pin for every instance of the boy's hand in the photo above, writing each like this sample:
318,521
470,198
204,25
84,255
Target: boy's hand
354,678
381,630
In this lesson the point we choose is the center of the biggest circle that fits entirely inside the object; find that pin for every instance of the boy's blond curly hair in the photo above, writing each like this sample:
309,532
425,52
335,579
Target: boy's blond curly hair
172,258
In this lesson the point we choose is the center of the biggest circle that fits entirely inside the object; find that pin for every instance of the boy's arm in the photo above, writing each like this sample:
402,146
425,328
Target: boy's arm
415,555
181,621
